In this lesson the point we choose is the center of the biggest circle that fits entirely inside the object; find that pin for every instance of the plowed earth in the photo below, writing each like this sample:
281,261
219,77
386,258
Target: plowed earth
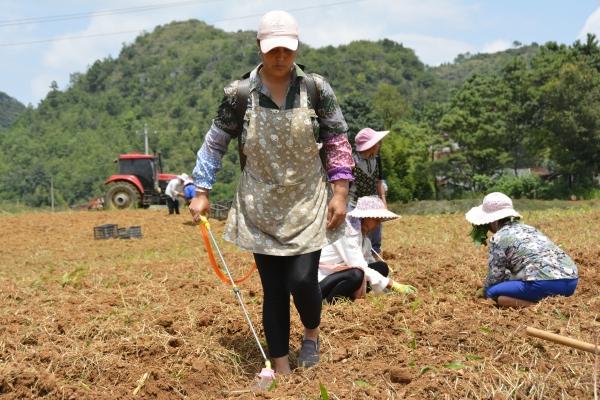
86,319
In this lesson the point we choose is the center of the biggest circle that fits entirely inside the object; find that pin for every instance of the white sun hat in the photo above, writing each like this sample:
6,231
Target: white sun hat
372,207
184,177
277,29
495,206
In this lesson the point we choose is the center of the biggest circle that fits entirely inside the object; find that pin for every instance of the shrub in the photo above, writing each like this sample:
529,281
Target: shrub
529,186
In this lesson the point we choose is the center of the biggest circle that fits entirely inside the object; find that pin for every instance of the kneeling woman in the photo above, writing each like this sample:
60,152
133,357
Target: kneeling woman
524,265
346,266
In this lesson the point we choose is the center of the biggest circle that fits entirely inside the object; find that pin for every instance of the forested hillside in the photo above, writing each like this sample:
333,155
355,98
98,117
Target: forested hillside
465,66
455,128
9,110
172,79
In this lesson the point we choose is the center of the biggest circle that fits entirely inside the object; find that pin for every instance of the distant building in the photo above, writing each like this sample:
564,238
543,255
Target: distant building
542,172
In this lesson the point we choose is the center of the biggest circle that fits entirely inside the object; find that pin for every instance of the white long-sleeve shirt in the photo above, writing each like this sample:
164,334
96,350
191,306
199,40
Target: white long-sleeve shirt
173,187
352,250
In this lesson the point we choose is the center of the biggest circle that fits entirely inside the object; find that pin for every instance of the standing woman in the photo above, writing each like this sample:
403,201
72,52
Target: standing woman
368,172
287,207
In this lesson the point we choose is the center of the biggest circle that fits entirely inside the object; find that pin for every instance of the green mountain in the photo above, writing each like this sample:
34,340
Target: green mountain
172,80
465,66
526,106
9,110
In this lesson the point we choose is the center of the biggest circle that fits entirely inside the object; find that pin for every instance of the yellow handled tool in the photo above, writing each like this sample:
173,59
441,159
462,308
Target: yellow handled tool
267,374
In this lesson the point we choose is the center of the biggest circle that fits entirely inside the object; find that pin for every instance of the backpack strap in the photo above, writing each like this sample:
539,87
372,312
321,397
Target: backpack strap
311,91
315,99
243,94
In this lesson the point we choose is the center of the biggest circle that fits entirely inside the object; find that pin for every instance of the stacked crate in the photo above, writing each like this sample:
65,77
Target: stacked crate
108,231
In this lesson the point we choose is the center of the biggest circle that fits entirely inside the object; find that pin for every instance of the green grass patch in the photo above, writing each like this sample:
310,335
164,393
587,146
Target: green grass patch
324,393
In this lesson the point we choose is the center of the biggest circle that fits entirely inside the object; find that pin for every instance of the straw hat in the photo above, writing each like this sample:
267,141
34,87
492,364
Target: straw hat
495,206
372,207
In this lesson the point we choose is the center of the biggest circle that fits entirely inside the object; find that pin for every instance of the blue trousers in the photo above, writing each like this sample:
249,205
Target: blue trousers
532,290
375,238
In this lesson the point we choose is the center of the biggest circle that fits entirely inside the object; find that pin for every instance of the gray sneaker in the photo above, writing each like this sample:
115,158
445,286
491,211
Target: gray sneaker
309,353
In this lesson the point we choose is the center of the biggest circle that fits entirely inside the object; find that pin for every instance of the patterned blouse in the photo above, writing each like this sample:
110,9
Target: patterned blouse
330,128
367,172
521,252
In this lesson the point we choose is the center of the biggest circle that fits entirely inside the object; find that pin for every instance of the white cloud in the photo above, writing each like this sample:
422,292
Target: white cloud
64,57
591,25
400,20
433,50
40,85
496,46
366,20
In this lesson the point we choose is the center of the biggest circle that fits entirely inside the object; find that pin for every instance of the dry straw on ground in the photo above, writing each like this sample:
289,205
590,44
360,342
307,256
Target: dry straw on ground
100,319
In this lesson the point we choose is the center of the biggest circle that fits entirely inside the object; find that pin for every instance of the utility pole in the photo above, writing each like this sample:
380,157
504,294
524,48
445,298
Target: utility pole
145,138
52,193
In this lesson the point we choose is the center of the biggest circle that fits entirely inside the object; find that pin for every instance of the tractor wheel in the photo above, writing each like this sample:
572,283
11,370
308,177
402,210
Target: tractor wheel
122,195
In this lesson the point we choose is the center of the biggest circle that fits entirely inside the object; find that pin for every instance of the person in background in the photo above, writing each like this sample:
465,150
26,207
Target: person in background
368,173
347,267
287,206
174,190
524,266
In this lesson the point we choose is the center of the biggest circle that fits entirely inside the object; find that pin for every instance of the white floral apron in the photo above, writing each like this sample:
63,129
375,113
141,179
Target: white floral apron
280,207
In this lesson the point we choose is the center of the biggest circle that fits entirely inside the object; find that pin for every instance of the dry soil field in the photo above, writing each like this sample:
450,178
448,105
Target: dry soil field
86,319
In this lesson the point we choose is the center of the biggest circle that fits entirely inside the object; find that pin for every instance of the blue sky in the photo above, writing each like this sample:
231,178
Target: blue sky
34,51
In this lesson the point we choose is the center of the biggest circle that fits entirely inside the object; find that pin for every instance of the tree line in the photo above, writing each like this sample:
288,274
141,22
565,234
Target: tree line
537,113
457,129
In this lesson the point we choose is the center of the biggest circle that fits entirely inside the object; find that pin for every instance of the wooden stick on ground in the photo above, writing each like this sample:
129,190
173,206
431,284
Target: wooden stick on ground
596,370
567,341
141,383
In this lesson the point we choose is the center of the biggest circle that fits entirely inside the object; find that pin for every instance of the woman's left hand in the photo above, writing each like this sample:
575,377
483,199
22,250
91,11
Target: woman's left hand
336,211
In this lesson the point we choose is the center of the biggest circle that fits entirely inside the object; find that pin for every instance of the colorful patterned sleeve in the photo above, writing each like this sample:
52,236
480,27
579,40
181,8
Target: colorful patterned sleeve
339,161
224,127
332,132
208,159
496,262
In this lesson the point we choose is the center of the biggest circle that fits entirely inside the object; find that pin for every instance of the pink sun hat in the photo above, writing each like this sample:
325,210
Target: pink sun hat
495,206
372,207
277,29
367,138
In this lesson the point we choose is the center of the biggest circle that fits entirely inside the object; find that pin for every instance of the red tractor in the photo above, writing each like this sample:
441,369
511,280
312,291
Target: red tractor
140,182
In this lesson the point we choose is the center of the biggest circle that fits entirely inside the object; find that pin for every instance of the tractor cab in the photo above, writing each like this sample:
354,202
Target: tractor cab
142,166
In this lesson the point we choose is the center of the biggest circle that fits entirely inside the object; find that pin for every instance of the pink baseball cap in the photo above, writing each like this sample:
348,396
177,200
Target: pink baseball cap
277,29
367,138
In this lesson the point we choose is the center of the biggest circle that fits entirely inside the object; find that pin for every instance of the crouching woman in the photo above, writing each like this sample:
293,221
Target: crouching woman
346,267
524,266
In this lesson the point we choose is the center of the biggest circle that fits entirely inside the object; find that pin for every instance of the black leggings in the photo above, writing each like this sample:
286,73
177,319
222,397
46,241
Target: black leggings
380,267
280,276
341,284
344,283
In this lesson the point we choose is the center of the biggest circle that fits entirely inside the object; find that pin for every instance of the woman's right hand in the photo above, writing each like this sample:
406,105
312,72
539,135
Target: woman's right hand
199,206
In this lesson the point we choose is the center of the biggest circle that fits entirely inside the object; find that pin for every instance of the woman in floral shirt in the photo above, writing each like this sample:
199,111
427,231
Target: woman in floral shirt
524,266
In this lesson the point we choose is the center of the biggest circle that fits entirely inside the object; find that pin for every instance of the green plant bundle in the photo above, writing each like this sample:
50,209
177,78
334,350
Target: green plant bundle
479,234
